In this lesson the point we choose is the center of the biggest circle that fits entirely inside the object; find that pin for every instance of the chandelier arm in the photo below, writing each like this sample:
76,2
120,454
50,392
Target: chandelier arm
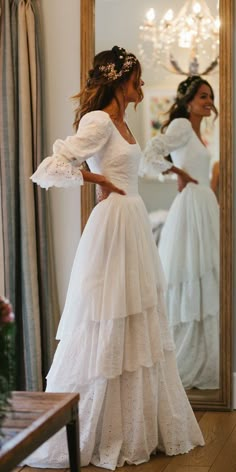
211,67
175,66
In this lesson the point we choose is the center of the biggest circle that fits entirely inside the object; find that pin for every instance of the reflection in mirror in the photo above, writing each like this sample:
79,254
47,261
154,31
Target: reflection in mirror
222,398
185,224
188,241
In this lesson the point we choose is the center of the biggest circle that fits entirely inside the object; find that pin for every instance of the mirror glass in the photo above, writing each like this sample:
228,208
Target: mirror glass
118,23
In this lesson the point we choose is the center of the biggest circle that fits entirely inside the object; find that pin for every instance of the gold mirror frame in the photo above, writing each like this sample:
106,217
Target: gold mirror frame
222,398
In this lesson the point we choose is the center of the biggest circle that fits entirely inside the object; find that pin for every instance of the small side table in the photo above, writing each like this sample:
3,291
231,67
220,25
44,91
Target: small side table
33,419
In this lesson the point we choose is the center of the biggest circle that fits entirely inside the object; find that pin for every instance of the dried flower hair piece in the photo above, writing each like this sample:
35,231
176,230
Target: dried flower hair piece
187,85
120,55
110,72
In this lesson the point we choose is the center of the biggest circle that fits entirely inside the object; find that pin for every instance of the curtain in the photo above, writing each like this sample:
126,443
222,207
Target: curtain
28,271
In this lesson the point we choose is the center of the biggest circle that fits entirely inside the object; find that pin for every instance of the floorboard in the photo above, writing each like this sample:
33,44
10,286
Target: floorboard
218,455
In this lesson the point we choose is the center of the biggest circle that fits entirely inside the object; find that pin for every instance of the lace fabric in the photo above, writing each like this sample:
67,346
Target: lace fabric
57,171
118,420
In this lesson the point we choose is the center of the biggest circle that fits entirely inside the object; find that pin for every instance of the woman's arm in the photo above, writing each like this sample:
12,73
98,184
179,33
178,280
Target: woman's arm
215,177
183,177
102,181
181,173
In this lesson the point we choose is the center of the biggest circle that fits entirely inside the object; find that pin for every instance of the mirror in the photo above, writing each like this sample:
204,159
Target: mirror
220,398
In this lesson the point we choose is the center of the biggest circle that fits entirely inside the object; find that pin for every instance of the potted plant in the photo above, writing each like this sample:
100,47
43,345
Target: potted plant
7,357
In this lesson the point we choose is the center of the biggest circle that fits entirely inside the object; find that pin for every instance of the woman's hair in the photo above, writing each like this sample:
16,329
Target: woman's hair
110,70
186,92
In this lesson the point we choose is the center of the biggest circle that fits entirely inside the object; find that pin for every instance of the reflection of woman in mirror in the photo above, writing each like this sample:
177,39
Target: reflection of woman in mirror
189,244
115,348
215,179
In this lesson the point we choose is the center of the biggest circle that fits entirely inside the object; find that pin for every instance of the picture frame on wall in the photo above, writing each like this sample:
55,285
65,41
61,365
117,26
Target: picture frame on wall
157,103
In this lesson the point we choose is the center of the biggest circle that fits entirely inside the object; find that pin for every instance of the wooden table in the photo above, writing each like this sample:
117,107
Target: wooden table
34,418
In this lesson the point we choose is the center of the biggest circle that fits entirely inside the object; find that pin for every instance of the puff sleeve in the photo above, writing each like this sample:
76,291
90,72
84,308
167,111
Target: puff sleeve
177,135
62,168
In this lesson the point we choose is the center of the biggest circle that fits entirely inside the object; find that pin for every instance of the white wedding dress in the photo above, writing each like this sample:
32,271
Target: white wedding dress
189,251
115,348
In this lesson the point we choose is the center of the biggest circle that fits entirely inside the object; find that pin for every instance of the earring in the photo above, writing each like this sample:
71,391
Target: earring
189,108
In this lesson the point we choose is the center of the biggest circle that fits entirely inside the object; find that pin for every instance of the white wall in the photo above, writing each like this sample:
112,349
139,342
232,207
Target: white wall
61,29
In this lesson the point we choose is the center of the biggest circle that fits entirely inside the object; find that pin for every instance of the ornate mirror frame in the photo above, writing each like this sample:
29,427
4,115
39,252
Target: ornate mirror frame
222,398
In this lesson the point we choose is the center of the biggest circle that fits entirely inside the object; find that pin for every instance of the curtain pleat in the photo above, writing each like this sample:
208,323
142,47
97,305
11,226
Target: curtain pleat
2,278
30,291
28,257
7,151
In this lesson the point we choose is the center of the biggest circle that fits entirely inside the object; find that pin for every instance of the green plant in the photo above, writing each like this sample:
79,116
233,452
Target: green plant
7,356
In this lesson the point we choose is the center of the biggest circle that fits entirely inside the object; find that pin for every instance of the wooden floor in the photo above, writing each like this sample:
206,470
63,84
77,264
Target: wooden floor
218,455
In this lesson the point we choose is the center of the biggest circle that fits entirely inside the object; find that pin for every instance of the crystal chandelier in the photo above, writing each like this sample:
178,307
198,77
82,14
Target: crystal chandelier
187,44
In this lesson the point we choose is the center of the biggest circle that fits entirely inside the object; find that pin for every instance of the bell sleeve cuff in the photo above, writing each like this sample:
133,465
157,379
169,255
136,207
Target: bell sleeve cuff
62,169
153,162
57,171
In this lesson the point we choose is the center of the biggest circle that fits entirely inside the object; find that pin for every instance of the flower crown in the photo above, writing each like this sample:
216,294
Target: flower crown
124,62
187,85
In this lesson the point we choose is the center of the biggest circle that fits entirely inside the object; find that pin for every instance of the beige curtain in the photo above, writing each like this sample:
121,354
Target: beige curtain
29,278
2,282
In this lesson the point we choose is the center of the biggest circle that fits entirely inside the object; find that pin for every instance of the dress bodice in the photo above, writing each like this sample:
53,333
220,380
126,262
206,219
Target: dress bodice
193,156
118,161
185,148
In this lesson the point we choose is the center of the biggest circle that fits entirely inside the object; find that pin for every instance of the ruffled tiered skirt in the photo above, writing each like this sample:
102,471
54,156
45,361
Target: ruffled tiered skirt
189,251
115,348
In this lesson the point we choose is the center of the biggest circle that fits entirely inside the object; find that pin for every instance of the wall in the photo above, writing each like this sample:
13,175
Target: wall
61,26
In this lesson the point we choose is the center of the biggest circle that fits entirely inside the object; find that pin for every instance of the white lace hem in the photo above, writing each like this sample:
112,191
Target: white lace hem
58,172
127,418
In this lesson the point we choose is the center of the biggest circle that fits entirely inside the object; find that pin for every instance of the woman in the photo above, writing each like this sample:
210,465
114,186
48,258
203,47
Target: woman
115,348
189,245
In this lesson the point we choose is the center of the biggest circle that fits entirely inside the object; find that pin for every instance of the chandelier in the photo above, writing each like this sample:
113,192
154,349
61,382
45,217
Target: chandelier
187,44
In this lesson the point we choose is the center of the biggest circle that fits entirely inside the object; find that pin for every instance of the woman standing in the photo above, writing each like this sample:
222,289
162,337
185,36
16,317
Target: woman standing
115,348
189,245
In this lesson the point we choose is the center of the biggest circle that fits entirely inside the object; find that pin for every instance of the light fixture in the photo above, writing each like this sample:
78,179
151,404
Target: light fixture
187,44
